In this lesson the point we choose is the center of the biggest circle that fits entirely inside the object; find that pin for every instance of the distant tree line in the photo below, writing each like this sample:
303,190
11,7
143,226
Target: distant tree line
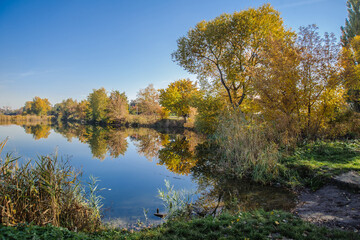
103,107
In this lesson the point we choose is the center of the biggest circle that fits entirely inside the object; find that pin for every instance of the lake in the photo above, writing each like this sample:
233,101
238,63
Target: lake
132,164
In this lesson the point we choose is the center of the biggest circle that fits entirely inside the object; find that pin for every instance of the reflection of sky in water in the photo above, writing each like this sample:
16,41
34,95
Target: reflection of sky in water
134,181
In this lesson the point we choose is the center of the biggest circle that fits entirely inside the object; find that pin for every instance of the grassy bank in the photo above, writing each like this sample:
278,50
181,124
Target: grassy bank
247,225
260,153
314,164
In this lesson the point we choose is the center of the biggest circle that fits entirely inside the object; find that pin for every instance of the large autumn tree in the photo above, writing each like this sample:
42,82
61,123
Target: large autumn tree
71,110
148,101
276,83
38,106
118,107
178,96
225,50
299,81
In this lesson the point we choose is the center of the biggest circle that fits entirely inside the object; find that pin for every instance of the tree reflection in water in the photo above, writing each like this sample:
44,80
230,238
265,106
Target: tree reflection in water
177,157
117,143
175,151
148,142
219,191
98,141
38,131
183,154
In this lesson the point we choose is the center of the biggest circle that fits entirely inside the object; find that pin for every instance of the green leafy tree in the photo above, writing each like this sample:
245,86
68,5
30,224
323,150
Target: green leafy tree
27,107
352,24
178,96
65,110
71,110
226,49
208,108
98,104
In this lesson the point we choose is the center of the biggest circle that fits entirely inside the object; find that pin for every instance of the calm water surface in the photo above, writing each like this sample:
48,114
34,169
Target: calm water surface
132,165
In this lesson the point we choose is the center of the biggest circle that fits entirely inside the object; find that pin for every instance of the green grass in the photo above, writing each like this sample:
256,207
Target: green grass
37,232
314,164
248,225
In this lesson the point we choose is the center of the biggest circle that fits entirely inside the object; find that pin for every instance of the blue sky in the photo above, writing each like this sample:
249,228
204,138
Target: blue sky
65,48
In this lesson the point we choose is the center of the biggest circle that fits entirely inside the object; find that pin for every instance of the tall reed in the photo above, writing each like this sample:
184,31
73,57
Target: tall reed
177,203
45,191
247,147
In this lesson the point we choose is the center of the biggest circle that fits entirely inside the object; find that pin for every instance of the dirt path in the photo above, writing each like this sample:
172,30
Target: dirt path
331,206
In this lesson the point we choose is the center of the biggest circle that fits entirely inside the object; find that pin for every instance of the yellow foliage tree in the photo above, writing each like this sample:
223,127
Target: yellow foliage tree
178,96
118,107
350,58
37,106
298,82
225,50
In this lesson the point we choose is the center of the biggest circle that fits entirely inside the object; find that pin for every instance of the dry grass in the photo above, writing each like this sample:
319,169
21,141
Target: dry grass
246,147
45,191
24,119
142,119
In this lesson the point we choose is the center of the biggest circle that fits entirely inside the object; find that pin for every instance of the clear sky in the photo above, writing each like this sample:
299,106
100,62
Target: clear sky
65,48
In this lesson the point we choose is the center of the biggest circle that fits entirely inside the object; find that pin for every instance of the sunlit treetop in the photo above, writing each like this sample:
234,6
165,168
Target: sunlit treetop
225,50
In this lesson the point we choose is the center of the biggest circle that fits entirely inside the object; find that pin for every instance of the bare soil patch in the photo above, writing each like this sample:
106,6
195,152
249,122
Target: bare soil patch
331,206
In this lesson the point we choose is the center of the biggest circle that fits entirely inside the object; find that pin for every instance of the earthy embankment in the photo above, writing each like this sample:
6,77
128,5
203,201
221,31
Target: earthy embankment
336,205
162,124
